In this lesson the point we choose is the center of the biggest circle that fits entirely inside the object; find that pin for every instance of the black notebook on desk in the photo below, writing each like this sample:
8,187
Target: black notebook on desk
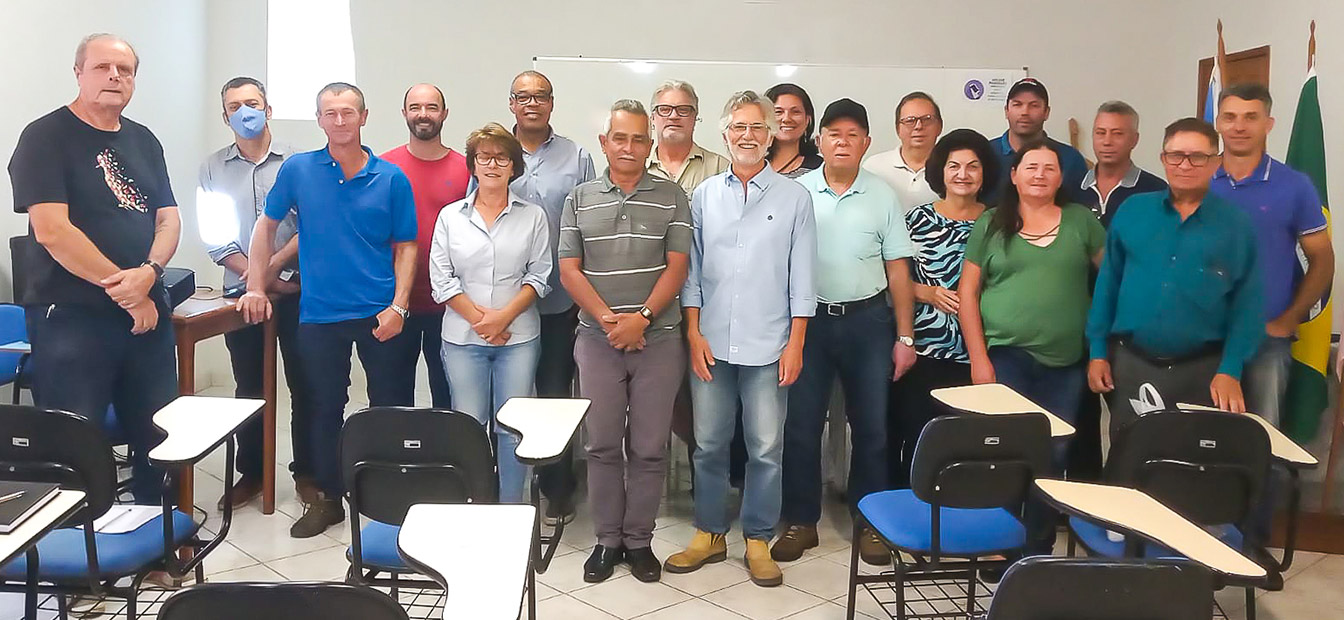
14,511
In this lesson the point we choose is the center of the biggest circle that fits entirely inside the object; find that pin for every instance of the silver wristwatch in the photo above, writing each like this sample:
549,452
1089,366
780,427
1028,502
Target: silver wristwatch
645,312
906,340
405,314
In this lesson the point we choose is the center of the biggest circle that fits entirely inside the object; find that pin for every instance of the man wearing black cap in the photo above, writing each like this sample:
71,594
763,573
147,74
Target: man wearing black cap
862,252
1027,110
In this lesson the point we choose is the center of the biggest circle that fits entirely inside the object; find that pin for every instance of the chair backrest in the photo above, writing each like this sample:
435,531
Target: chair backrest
13,328
280,601
20,248
1101,589
395,457
57,446
980,461
1207,466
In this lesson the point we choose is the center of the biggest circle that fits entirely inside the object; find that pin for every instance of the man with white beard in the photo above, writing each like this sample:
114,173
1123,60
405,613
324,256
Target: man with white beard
748,296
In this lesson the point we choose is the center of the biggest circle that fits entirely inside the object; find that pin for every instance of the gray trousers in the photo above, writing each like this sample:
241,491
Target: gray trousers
628,425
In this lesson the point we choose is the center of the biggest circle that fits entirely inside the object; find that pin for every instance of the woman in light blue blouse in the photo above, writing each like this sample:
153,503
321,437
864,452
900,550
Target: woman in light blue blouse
489,261
957,169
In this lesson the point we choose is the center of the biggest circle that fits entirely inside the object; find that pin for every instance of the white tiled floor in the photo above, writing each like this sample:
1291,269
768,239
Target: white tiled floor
259,549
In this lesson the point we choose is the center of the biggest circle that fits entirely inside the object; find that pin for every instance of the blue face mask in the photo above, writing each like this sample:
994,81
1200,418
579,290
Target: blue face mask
248,122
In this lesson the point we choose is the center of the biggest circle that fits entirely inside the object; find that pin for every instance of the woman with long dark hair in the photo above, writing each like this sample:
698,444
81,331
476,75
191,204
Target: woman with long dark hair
961,170
794,151
1023,291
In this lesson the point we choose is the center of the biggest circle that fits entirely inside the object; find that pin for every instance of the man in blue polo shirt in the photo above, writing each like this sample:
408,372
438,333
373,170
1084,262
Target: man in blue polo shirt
1176,311
1027,110
357,232
1286,211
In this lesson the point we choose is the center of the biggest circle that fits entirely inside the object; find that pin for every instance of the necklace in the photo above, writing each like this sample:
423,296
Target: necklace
1035,237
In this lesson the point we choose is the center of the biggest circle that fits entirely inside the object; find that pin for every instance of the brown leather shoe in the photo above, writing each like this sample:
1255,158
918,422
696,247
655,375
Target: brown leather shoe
793,542
243,492
764,571
872,550
306,488
705,548
317,517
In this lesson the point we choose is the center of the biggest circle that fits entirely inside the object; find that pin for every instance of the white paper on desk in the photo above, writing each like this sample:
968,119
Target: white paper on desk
121,519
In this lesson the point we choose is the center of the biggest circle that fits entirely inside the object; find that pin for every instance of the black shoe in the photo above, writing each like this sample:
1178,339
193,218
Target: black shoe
602,562
644,565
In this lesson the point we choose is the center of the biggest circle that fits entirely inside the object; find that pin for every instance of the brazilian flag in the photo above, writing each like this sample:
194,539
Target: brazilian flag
1307,395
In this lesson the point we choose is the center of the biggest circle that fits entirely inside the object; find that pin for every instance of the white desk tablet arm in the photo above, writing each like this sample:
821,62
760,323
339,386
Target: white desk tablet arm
196,426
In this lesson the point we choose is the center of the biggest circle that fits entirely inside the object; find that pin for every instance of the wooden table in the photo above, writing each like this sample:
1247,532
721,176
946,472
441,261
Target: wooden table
1130,510
479,553
25,537
196,320
997,399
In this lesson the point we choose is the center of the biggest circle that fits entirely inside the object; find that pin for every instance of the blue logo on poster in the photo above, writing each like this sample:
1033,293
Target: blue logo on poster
974,90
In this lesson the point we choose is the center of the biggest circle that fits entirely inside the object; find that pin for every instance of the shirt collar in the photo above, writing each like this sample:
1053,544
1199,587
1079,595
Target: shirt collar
762,180
1006,147
233,152
696,153
645,182
1260,174
469,202
544,143
1204,202
816,181
1130,179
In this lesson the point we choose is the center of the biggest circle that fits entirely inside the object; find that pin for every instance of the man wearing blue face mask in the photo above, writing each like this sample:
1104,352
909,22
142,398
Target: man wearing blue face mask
234,182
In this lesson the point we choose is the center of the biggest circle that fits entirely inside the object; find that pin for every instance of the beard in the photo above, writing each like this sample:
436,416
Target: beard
425,133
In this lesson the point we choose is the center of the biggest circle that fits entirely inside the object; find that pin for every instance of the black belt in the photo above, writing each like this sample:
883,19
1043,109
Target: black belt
841,309
1206,350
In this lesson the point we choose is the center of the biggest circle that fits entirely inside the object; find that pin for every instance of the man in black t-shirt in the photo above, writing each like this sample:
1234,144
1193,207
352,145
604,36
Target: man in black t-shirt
95,188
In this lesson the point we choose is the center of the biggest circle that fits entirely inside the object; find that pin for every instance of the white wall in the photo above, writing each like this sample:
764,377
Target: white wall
1143,51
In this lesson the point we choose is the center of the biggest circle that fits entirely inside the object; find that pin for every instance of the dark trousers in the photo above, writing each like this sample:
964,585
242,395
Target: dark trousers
246,354
1084,459
325,349
910,407
1177,380
555,379
856,347
426,328
87,359
1056,389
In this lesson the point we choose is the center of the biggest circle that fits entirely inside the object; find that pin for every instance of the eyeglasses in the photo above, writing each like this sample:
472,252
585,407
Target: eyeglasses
738,129
914,121
527,98
666,111
1175,158
499,160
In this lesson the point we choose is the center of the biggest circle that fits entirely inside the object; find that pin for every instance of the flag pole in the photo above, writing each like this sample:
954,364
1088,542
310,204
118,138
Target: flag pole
1221,58
1311,47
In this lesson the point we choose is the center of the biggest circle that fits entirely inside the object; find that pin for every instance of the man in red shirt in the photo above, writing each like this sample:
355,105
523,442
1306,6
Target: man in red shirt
438,177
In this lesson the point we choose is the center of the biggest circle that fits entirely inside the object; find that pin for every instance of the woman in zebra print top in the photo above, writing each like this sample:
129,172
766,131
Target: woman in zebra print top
956,170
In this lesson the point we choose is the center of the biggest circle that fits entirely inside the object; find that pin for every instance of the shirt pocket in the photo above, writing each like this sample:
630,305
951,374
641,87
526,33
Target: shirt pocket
1208,285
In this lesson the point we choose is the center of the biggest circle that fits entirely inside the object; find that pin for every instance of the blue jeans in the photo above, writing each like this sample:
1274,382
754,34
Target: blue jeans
1265,378
325,349
85,359
764,404
858,347
481,379
1057,390
426,328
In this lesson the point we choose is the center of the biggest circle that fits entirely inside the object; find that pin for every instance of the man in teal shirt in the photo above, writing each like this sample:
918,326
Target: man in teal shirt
863,272
1177,304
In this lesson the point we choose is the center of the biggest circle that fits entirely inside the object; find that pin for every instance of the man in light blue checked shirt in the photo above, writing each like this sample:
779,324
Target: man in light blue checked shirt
748,297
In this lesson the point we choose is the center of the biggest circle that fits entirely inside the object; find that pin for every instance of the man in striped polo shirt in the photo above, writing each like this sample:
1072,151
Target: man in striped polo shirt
625,240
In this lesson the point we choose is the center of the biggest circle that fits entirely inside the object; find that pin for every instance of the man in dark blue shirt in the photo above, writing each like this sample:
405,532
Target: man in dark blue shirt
1027,110
357,232
1115,133
1176,314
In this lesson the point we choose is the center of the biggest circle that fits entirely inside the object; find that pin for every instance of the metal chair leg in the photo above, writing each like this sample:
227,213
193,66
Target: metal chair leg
853,574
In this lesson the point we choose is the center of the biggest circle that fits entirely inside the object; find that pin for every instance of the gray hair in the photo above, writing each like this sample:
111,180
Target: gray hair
1115,106
743,99
336,88
82,51
680,85
626,105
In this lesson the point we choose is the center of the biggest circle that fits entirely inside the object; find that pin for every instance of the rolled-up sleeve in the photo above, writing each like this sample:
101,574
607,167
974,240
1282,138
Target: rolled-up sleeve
443,279
539,265
803,260
690,291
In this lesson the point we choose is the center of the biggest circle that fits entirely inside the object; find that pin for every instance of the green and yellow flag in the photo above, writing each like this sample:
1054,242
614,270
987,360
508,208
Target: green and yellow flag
1307,392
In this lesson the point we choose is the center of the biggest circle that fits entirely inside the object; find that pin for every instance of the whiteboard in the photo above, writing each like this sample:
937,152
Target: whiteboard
585,88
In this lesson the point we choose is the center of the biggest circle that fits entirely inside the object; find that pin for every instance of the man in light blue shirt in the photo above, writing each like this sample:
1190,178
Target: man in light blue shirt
555,165
863,249
748,297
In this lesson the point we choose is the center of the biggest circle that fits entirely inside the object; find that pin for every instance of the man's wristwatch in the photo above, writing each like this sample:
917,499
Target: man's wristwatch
158,269
405,314
645,312
907,341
